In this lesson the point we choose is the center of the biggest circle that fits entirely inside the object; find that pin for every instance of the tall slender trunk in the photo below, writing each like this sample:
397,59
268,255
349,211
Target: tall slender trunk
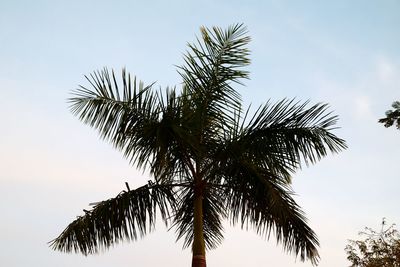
199,251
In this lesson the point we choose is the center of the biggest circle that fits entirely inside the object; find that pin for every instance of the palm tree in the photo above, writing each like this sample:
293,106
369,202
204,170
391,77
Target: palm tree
209,160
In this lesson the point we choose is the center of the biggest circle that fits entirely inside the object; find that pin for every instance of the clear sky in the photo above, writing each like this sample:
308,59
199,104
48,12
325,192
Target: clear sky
345,53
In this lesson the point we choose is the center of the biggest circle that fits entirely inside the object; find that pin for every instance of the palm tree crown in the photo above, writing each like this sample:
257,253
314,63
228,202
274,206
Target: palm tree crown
210,161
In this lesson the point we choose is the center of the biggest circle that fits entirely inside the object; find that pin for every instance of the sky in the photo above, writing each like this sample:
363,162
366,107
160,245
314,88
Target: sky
345,53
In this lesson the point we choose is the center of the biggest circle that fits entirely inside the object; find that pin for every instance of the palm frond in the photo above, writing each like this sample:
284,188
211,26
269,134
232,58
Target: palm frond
254,164
212,65
115,111
278,138
263,201
213,214
110,109
146,126
129,215
292,132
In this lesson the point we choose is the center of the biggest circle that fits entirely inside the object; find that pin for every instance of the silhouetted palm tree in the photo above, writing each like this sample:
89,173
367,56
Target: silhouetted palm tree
210,162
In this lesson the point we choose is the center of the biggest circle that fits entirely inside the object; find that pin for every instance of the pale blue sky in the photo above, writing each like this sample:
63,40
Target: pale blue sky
345,53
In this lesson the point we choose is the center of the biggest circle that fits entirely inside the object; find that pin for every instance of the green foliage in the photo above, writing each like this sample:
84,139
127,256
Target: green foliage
392,116
377,249
198,143
130,214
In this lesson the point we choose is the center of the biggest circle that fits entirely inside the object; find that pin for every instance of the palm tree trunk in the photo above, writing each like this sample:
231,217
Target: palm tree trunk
199,251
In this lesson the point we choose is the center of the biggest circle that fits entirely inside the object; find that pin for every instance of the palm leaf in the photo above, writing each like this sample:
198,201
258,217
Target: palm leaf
211,66
213,215
254,164
291,132
129,215
146,126
114,112
257,198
